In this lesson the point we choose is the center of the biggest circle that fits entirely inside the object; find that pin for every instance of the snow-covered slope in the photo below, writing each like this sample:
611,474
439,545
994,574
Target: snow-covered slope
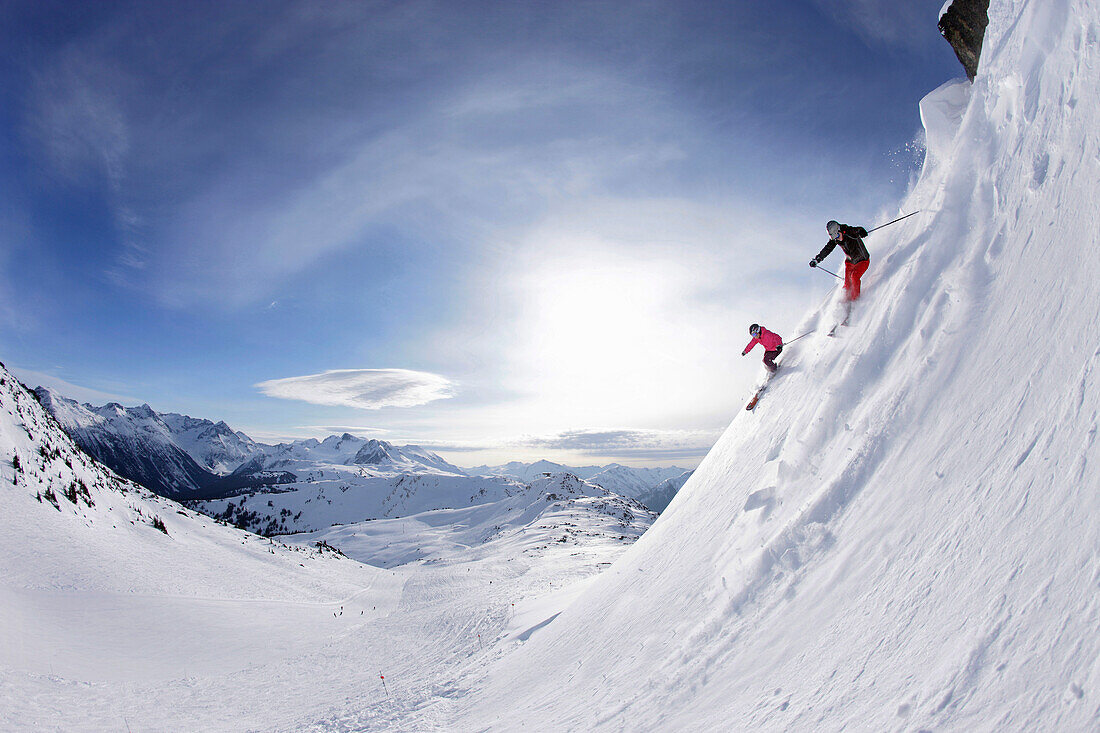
119,604
623,480
905,535
559,513
330,494
111,623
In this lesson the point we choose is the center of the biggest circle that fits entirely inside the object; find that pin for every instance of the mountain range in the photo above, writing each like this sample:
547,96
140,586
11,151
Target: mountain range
192,459
113,596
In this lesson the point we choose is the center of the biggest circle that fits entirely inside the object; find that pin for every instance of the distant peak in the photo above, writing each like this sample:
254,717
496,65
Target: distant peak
373,453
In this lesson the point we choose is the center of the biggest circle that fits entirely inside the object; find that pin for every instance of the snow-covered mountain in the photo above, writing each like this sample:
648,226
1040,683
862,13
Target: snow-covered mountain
559,511
215,446
527,472
661,495
304,485
134,442
107,589
308,485
631,481
162,451
622,480
314,484
373,457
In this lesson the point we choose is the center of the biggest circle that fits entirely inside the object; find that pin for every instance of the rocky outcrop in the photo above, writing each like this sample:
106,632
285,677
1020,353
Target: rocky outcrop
963,25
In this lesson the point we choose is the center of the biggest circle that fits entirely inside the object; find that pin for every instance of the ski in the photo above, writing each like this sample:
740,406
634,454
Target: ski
832,331
759,392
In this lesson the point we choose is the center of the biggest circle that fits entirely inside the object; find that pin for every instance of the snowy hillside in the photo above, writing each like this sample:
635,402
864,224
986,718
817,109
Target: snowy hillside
905,535
623,480
108,590
330,494
558,513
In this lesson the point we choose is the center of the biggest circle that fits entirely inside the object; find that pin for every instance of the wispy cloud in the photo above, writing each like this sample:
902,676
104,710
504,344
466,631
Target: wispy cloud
78,119
365,389
628,442
883,21
360,430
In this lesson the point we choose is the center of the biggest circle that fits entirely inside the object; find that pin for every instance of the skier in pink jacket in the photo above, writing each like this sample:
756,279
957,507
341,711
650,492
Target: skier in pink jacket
772,342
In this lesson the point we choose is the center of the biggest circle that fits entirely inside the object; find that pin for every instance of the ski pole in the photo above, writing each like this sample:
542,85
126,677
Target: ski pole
799,337
819,267
880,226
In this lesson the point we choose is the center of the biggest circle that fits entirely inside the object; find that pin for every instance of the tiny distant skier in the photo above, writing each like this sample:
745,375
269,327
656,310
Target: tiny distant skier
856,261
772,343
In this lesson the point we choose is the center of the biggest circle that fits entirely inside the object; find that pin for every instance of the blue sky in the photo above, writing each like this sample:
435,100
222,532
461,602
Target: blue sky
501,229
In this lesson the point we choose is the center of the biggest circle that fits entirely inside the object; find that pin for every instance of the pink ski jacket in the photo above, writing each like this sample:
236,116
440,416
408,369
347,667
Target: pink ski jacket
771,341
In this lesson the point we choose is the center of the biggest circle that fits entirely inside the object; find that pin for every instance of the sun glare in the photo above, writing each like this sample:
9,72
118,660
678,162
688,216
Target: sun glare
607,333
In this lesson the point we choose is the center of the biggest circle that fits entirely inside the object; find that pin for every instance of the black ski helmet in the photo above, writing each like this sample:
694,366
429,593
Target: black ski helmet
754,329
833,228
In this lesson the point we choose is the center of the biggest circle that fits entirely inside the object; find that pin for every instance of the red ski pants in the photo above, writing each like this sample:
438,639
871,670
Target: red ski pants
852,273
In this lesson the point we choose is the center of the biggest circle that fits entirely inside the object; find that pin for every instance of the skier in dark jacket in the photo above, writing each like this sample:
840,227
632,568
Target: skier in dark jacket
856,260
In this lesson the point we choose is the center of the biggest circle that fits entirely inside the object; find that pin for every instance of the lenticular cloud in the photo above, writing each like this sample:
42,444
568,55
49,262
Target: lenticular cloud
366,389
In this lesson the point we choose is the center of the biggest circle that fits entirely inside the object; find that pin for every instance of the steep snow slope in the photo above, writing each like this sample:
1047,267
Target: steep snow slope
906,534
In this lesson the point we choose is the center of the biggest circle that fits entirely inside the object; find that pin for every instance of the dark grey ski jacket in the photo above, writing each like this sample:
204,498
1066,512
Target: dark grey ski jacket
851,241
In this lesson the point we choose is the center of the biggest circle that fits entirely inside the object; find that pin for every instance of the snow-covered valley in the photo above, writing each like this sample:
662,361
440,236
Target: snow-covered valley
122,609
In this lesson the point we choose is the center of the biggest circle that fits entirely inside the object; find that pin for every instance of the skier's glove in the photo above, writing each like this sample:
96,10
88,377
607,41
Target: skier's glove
813,263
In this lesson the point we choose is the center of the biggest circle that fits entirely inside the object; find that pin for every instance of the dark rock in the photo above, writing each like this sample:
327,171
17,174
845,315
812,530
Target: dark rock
963,25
